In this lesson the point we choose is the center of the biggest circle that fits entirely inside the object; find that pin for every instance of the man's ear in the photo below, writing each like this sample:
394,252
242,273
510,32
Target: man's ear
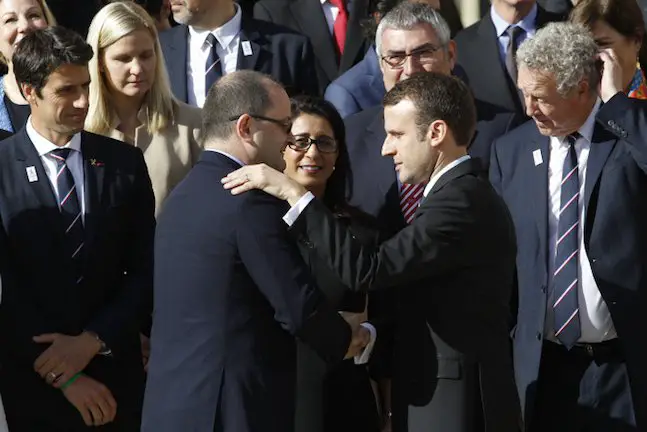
436,132
244,127
28,92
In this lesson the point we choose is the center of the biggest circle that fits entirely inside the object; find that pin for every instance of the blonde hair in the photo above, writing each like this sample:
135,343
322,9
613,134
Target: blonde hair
110,24
49,18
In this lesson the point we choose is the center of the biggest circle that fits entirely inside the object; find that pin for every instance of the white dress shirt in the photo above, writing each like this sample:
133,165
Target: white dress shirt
228,38
74,162
330,12
595,319
501,25
434,178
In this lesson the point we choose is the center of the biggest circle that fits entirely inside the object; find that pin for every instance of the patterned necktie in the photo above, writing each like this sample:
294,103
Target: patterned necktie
410,196
213,68
70,209
566,276
339,28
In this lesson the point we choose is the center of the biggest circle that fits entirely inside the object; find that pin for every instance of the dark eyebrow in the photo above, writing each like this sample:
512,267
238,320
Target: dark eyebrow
422,47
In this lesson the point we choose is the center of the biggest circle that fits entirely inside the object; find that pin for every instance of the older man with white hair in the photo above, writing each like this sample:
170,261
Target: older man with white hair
575,182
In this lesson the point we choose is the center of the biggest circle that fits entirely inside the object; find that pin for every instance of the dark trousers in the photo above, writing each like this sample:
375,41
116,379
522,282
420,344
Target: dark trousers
585,389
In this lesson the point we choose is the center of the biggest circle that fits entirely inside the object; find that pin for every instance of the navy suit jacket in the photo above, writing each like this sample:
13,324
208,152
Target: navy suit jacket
40,291
615,236
359,88
277,51
231,293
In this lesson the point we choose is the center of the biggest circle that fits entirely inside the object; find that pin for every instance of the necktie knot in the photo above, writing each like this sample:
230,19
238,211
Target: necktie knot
338,4
211,40
572,138
514,32
61,155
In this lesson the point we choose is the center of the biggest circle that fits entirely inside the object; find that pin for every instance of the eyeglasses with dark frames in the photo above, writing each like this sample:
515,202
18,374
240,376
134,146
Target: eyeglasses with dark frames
285,125
424,54
325,144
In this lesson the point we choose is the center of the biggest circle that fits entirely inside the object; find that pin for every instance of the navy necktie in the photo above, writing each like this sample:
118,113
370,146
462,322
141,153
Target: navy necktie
213,68
70,208
566,275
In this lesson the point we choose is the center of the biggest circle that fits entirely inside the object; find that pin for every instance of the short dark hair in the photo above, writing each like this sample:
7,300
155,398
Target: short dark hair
43,51
336,186
438,97
238,93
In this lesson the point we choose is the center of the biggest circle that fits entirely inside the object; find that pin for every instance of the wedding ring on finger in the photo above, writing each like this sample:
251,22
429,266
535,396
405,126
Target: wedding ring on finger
51,377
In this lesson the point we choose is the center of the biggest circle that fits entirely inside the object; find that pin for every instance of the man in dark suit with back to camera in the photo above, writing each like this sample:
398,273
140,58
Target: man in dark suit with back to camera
452,268
77,226
574,179
231,289
216,39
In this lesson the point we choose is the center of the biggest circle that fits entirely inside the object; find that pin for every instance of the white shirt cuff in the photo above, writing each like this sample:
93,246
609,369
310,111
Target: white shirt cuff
291,216
365,356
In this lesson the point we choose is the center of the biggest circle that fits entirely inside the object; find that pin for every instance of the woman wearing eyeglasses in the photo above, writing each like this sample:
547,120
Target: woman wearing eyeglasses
330,398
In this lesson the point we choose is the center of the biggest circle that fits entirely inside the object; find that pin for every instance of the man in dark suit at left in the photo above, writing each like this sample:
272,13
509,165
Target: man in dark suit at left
216,38
77,225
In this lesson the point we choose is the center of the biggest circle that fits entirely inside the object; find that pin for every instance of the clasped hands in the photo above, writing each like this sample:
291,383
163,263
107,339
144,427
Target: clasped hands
66,357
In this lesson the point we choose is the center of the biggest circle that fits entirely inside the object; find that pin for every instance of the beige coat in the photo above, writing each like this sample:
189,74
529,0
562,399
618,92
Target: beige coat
169,154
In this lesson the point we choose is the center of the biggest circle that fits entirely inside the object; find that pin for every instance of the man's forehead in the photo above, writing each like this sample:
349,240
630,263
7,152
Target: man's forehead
417,36
401,113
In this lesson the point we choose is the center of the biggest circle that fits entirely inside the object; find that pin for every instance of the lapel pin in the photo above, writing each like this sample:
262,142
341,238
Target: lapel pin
247,48
32,176
536,155
96,163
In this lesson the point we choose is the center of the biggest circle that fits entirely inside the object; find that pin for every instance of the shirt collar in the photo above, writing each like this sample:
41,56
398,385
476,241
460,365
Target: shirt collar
586,130
44,146
439,174
225,34
527,23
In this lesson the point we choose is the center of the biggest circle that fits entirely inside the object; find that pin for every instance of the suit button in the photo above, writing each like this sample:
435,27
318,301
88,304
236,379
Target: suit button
612,123
623,133
539,336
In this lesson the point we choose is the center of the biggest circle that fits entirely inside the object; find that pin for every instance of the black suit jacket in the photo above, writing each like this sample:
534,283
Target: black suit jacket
231,293
453,270
479,62
75,14
276,51
307,17
373,185
40,293
614,230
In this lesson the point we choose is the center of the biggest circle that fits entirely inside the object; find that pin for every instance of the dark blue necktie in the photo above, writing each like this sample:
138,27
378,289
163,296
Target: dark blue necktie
213,68
70,209
566,276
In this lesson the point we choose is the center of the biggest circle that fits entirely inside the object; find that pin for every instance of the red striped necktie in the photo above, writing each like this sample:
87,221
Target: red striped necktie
410,196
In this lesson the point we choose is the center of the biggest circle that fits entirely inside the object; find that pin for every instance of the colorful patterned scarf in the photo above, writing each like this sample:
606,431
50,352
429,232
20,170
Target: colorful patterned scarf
638,86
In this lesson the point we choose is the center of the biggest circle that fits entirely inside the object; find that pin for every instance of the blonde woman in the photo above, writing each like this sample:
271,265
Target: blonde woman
17,18
130,96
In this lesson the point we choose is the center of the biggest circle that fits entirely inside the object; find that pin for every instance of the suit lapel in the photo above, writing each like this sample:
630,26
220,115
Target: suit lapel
27,158
312,22
494,77
602,145
354,33
94,177
249,35
178,49
538,185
